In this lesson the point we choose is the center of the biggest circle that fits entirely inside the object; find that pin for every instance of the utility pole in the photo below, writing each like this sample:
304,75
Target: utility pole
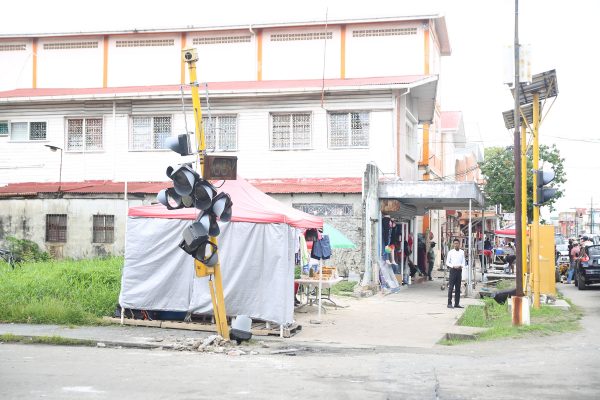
591,215
517,306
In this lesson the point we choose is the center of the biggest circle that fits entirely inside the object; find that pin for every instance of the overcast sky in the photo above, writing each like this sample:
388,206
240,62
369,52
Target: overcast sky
562,35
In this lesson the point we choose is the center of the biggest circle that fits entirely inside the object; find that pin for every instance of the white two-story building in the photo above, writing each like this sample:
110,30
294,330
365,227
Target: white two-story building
304,106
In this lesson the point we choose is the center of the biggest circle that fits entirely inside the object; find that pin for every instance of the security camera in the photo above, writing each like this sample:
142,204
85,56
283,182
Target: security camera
190,55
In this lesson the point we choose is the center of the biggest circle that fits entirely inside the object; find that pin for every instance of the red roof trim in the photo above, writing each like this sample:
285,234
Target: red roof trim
285,185
219,86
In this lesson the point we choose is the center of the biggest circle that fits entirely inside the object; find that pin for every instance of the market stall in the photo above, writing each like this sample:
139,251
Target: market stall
256,252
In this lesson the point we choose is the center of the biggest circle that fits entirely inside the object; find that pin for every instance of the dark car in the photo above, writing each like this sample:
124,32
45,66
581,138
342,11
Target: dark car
588,273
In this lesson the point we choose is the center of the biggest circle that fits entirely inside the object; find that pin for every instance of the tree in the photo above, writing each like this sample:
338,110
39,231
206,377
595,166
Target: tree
498,169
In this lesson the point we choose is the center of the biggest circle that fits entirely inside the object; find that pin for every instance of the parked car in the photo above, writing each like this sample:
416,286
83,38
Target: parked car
588,272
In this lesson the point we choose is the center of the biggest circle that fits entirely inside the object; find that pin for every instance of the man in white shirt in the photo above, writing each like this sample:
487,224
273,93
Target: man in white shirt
455,261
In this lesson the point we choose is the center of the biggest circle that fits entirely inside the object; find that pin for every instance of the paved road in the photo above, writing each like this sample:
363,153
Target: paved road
551,367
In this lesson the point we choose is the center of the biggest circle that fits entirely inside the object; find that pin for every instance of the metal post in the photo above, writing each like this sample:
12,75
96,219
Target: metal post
468,291
402,238
415,248
535,245
526,269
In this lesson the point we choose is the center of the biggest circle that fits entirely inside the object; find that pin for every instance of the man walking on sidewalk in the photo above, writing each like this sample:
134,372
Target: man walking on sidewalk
455,261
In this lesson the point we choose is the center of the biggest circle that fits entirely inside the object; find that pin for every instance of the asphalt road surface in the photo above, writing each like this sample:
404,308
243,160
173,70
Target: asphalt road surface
564,366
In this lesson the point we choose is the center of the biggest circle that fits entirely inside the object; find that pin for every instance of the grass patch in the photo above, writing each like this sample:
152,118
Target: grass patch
497,318
504,284
343,288
53,340
60,292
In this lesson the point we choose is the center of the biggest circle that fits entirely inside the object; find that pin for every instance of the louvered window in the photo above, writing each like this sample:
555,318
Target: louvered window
23,131
293,37
71,45
84,134
145,43
384,32
349,129
221,39
220,132
103,229
56,228
290,131
149,132
13,47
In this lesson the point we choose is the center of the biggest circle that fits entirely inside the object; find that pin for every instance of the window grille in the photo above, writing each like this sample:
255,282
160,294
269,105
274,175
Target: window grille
221,39
292,37
220,132
103,229
3,128
384,32
70,45
325,210
13,47
290,131
146,43
150,132
56,228
22,131
349,129
88,128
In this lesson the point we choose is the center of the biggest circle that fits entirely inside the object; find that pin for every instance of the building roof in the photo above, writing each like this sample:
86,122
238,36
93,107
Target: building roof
289,185
451,119
236,87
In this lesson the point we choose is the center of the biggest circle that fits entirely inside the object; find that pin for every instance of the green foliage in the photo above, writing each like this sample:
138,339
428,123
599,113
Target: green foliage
498,169
297,271
60,292
497,318
503,284
55,340
26,250
343,288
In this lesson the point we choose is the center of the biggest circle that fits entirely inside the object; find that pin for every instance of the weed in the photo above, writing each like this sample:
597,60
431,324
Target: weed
54,340
343,288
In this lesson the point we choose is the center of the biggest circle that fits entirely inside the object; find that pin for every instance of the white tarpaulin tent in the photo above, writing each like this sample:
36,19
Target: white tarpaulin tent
256,252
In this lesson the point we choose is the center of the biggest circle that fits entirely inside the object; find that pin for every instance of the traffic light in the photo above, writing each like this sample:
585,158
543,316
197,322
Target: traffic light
180,144
544,194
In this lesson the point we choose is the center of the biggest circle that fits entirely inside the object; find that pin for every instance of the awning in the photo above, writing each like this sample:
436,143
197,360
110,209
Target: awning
432,195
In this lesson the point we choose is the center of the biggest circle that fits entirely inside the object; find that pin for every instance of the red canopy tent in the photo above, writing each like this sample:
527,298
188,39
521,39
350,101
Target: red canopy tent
249,205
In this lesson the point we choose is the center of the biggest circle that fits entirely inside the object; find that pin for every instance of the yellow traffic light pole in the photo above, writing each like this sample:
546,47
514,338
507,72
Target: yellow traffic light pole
524,270
215,285
535,253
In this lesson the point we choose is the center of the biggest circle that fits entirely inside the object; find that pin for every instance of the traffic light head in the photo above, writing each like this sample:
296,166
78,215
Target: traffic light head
180,144
545,194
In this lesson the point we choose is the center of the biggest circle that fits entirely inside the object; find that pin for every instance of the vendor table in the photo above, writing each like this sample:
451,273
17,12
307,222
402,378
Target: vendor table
313,292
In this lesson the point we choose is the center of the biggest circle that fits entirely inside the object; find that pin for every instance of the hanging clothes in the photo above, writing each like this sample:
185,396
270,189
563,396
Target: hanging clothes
321,249
304,257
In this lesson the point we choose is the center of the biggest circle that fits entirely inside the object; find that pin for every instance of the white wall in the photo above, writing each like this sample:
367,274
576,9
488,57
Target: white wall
16,66
144,65
384,55
301,59
224,56
74,65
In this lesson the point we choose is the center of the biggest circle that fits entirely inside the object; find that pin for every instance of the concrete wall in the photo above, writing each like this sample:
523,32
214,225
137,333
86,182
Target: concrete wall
350,225
26,219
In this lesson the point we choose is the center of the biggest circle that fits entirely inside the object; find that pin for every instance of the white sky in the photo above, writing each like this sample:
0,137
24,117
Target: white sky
561,34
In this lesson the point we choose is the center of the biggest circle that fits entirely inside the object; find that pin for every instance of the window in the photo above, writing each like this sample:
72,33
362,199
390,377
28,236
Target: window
349,129
104,229
23,131
56,228
289,37
3,128
145,43
325,210
84,134
290,131
149,133
220,132
221,39
384,32
70,45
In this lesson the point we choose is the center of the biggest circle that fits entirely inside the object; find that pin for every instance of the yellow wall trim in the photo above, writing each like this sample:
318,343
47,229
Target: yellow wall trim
343,52
259,55
105,63
183,40
34,58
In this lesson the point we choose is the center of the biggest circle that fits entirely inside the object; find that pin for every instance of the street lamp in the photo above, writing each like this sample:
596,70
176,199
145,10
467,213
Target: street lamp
54,148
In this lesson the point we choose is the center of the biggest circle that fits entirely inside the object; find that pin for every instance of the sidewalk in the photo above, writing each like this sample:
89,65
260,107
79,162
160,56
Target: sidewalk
414,317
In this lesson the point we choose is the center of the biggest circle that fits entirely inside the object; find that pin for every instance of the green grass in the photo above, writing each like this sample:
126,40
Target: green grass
498,321
343,288
503,284
55,340
60,292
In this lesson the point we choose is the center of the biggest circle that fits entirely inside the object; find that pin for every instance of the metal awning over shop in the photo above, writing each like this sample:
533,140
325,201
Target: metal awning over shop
432,195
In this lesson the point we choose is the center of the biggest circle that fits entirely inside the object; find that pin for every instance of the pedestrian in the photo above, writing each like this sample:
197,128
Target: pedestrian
574,256
430,259
455,261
